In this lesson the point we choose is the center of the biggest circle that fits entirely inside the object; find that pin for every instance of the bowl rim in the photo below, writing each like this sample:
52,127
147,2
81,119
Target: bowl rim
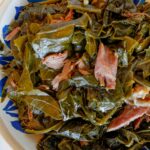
8,137
4,132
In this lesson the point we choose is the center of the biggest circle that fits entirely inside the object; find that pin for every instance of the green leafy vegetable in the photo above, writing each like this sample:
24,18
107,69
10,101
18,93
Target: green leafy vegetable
53,42
105,71
1,46
25,82
46,104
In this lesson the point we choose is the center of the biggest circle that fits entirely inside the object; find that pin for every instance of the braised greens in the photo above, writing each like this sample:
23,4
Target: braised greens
78,64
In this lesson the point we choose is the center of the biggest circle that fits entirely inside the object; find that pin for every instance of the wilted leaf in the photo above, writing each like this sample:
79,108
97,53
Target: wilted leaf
25,83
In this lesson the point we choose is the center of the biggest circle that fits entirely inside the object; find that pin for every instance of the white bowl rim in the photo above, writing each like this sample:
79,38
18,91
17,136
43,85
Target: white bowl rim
8,137
4,132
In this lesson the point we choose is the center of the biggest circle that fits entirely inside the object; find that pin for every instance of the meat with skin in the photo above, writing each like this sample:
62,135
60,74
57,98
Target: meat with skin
106,67
142,102
69,17
148,112
138,121
129,114
55,61
147,119
82,68
64,75
139,96
83,71
139,91
12,34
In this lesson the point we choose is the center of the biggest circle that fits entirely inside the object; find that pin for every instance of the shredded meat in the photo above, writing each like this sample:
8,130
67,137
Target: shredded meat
148,112
82,67
64,75
129,114
55,61
147,119
139,92
106,67
138,97
43,87
84,143
143,102
138,121
12,34
69,17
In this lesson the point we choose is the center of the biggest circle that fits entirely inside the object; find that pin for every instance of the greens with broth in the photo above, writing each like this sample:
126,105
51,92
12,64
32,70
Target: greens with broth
81,73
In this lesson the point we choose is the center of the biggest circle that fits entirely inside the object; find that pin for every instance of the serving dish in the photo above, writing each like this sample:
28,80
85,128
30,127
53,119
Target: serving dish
9,124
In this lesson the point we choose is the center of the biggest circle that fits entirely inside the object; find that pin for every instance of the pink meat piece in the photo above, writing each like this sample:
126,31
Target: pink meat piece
106,67
138,122
147,119
12,34
55,61
143,102
148,112
82,68
129,114
64,75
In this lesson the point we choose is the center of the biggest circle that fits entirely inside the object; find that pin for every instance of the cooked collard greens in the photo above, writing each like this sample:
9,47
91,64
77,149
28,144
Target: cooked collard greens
81,73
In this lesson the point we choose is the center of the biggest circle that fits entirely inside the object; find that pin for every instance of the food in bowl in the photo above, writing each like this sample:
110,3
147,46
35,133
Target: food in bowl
81,73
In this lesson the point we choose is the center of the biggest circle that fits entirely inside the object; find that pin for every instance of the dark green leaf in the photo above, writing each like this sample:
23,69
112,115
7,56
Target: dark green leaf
130,44
56,127
25,83
80,130
53,41
40,101
20,44
145,43
128,138
47,73
91,46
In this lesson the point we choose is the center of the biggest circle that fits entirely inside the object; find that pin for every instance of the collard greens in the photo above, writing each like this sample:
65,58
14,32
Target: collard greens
78,66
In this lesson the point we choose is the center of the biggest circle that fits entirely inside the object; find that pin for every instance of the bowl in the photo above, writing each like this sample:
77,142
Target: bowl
10,127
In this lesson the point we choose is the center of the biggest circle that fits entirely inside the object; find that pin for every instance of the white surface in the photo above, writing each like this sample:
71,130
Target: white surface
4,144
